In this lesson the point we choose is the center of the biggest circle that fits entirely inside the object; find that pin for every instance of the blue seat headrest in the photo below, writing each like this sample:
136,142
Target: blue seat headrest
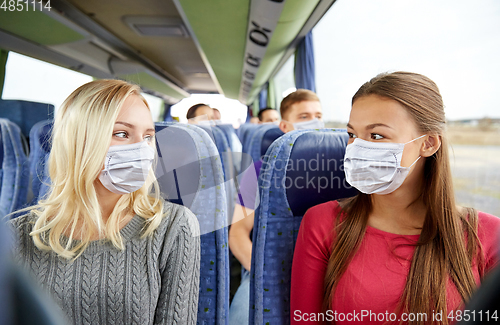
178,167
315,172
269,138
25,114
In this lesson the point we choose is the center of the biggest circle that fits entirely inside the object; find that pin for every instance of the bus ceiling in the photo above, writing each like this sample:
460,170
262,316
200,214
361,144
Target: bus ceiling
170,47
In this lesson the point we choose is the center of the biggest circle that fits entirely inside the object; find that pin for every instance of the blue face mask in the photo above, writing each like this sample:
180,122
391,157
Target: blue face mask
311,124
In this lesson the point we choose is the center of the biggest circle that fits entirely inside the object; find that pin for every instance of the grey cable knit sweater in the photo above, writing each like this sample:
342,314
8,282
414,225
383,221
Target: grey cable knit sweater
155,280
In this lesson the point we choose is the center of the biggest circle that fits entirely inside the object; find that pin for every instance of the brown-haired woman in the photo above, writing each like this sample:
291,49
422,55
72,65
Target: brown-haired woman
401,251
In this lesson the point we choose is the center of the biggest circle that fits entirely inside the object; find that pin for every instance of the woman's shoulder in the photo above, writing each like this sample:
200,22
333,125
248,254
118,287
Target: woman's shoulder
22,223
324,212
178,216
319,219
488,227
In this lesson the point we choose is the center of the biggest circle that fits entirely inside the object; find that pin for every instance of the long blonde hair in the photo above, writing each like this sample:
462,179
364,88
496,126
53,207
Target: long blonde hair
441,250
80,139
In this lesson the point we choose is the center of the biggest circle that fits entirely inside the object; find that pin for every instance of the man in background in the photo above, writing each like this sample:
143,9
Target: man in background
268,115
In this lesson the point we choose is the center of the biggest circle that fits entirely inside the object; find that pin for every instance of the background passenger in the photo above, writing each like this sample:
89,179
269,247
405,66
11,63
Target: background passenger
300,109
199,112
216,113
103,242
402,245
268,115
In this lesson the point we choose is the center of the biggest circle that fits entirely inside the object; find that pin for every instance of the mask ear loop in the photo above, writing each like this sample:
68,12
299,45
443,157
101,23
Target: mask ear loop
416,138
418,156
415,162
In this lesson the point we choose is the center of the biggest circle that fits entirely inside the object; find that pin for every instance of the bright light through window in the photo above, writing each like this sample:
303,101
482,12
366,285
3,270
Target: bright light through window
232,111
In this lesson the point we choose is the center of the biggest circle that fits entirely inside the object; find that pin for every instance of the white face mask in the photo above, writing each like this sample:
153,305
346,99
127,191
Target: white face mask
375,167
311,124
126,167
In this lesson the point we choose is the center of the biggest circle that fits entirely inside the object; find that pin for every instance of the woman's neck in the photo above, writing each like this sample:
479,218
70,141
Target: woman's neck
401,212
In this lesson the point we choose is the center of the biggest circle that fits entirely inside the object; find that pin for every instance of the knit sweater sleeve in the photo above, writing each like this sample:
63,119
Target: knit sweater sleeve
179,270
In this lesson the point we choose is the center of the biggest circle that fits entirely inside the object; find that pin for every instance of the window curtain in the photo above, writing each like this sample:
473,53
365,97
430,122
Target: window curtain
304,64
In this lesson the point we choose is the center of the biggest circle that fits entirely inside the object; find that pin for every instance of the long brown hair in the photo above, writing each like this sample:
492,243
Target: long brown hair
441,250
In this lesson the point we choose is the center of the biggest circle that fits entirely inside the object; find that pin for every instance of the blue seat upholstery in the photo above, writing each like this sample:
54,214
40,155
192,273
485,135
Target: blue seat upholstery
301,169
25,114
39,155
254,144
226,157
245,130
268,138
189,172
15,170
234,143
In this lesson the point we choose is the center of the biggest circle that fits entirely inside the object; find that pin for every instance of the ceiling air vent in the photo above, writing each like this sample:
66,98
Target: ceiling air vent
156,26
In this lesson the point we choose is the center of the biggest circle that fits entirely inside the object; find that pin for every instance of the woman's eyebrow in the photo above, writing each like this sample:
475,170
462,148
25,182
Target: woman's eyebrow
374,125
126,124
132,126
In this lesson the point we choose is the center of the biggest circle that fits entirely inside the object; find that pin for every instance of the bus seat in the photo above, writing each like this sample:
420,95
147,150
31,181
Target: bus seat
268,138
25,114
39,156
226,157
255,143
248,136
190,173
301,169
14,172
234,143
245,130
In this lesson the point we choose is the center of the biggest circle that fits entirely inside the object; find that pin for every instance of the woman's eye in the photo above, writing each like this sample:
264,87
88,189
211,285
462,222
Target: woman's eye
351,135
120,134
149,138
376,136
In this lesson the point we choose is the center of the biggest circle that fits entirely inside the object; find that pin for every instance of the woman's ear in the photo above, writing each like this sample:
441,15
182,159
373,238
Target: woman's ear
432,143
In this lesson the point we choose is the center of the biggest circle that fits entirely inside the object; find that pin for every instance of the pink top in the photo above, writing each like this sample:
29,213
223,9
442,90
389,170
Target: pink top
372,285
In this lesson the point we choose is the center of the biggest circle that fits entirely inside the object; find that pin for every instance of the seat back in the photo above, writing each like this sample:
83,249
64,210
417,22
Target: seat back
244,130
254,145
226,157
39,155
268,138
25,113
301,169
189,172
15,170
234,143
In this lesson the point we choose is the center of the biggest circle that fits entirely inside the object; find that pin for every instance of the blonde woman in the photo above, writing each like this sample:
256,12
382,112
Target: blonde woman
103,242
401,251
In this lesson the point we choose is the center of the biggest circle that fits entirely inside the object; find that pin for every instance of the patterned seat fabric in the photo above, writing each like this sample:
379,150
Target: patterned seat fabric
25,114
226,157
253,144
14,173
234,143
189,172
39,156
301,169
244,131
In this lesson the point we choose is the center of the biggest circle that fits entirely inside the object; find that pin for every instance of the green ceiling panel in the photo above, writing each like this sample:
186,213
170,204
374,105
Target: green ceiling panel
294,16
147,81
37,27
220,27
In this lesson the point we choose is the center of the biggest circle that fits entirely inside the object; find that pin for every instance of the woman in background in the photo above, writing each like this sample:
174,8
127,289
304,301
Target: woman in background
103,241
401,251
